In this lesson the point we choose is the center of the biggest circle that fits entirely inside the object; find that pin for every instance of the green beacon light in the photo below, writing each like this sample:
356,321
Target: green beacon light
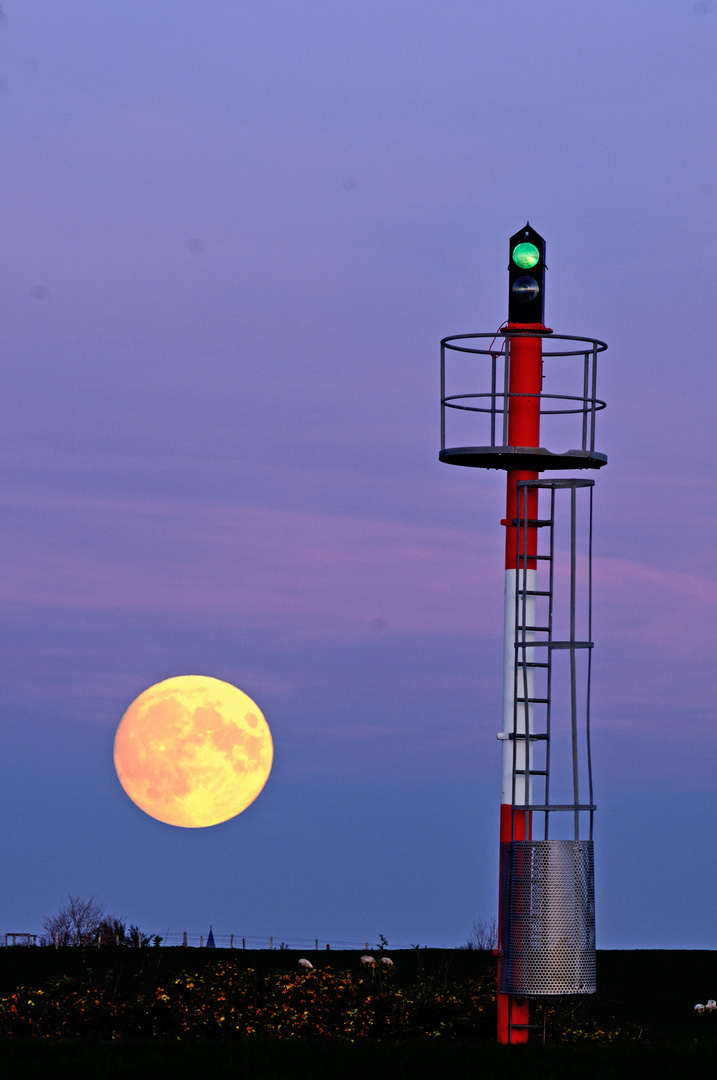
525,256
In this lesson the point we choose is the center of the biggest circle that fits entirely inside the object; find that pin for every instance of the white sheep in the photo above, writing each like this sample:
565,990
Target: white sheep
711,1005
367,961
699,1009
387,961
306,964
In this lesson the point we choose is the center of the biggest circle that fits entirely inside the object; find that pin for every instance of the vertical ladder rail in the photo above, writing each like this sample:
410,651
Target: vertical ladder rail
529,591
548,713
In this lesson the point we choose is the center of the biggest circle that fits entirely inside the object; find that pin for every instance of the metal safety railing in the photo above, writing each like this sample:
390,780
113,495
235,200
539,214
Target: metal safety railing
482,389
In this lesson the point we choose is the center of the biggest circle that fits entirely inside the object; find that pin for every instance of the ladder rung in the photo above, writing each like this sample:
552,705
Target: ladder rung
534,592
531,772
534,700
555,806
529,629
533,663
545,558
564,644
532,523
532,736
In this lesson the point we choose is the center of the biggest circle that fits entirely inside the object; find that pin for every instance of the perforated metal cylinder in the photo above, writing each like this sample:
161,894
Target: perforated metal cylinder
548,918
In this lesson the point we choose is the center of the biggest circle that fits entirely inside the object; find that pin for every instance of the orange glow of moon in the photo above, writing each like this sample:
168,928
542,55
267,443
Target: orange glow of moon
193,751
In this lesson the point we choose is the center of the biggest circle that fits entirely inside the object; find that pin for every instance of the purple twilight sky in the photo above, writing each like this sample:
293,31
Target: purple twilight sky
231,237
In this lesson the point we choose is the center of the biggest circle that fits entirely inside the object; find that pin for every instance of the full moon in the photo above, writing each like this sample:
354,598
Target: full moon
193,751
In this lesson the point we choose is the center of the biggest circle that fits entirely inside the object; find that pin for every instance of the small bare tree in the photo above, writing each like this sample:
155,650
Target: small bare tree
76,922
484,934
84,922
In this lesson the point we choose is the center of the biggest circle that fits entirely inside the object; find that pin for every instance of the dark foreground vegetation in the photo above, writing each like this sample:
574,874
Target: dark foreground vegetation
352,1061
119,1012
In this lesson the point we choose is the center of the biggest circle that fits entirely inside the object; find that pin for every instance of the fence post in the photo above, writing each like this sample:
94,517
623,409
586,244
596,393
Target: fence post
231,942
243,943
184,939
328,947
316,945
57,941
271,943
201,942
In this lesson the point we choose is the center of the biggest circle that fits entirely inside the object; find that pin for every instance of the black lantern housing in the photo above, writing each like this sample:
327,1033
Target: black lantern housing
526,277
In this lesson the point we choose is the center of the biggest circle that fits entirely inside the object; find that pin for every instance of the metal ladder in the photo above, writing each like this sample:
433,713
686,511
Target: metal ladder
534,647
534,682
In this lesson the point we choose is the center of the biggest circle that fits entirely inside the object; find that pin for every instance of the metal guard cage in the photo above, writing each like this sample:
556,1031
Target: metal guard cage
493,404
548,904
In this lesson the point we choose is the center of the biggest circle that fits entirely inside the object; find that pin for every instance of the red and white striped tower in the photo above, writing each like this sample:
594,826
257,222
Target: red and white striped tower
546,919
524,387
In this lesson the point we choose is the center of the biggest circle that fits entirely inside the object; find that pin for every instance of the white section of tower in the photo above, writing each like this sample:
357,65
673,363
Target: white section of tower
526,616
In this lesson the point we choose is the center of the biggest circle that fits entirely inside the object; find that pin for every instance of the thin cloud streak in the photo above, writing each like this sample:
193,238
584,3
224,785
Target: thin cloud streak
302,576
306,576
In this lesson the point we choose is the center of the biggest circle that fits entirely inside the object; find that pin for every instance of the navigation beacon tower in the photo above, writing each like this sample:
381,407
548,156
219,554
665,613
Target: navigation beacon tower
510,392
